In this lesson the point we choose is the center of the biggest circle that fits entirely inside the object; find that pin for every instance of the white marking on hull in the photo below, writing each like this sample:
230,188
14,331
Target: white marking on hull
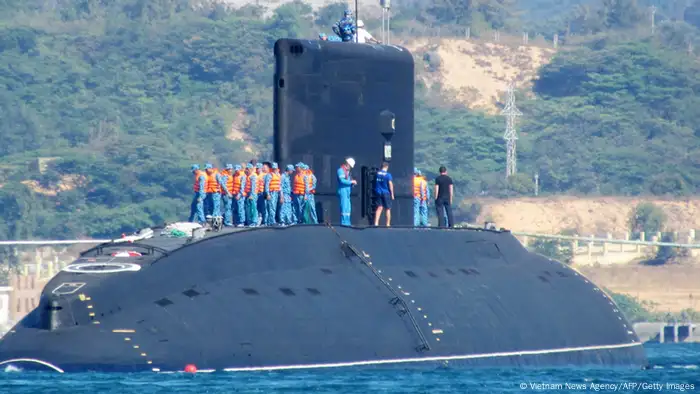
101,268
32,360
437,358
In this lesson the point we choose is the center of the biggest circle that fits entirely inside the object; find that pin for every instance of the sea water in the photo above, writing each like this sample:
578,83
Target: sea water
675,368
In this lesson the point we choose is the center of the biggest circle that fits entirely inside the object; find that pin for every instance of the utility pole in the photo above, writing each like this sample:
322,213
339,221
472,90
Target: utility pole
537,184
653,19
511,112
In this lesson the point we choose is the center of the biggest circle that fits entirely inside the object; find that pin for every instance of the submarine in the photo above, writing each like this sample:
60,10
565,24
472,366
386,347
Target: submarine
324,295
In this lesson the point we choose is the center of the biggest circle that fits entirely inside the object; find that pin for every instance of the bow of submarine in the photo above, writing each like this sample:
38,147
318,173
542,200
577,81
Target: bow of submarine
322,296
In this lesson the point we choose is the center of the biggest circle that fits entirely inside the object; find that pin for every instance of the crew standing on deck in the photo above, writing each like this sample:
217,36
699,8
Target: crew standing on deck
199,188
444,191
363,36
261,170
299,193
213,191
238,191
226,183
345,27
272,194
287,216
384,192
251,191
421,194
345,184
310,192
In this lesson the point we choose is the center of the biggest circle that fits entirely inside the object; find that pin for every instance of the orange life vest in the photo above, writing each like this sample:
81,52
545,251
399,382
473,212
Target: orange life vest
275,183
212,182
236,182
249,183
419,188
298,187
198,174
229,181
261,182
310,181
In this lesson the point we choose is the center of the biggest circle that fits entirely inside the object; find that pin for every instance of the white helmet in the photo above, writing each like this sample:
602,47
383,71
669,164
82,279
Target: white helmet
360,23
350,161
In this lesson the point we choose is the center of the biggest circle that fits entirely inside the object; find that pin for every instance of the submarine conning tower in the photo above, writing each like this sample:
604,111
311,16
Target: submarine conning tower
324,296
334,100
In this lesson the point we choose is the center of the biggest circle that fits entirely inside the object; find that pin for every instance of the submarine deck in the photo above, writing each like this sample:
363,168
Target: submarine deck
164,244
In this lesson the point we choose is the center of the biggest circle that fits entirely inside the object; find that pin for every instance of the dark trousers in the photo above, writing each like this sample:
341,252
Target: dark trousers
443,208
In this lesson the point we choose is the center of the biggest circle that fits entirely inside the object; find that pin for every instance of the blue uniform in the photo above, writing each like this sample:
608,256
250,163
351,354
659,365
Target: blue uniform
197,206
252,202
344,190
239,207
271,200
286,212
310,200
345,28
424,206
228,198
420,201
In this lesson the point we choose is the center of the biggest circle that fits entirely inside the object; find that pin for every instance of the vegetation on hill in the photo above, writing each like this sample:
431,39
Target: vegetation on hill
121,96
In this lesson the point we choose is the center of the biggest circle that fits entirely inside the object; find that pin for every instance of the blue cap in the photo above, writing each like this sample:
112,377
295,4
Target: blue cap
195,167
229,166
298,165
249,165
290,167
259,165
208,166
237,167
274,166
304,167
321,35
415,170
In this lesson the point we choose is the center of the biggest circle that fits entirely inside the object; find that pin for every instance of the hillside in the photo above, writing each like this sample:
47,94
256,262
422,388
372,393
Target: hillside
587,216
477,72
104,105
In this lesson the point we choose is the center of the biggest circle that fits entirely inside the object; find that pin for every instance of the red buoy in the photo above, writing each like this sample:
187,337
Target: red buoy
190,368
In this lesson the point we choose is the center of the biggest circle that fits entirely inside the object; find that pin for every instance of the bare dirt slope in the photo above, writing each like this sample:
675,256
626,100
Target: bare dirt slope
587,216
671,288
476,73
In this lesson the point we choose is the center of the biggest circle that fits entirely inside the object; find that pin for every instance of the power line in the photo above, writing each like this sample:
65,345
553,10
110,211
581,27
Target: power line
511,112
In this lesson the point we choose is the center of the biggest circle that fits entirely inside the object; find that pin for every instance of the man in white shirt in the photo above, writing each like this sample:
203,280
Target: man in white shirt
363,36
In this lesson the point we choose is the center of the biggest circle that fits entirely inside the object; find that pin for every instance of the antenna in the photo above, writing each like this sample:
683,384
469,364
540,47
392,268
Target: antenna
386,17
511,112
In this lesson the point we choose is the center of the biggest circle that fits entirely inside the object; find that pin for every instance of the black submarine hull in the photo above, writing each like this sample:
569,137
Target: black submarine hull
320,296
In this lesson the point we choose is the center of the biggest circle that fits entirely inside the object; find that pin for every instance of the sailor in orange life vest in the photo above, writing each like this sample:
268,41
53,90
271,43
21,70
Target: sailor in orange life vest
345,184
310,181
199,187
226,183
272,194
238,191
213,192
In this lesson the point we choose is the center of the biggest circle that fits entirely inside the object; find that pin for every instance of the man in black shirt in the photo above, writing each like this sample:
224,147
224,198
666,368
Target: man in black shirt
444,191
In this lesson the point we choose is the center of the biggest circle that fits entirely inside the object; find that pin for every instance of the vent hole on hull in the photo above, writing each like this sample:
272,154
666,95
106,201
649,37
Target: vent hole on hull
191,293
164,302
411,274
563,275
286,291
313,291
449,271
251,291
465,272
543,279
432,274
326,271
